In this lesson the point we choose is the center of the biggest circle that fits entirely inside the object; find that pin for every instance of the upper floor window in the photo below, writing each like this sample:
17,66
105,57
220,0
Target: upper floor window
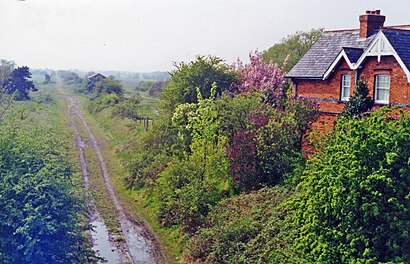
345,91
382,89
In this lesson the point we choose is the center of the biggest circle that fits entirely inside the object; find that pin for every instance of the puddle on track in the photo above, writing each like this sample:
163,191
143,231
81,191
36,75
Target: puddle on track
102,245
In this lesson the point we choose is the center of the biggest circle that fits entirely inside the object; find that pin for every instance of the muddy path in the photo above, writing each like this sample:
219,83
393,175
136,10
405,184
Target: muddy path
137,243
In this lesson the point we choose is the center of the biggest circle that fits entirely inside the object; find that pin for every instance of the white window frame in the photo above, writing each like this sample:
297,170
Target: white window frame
377,87
345,84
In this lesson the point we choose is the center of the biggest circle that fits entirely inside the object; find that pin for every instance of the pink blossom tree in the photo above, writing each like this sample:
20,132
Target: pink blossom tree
265,78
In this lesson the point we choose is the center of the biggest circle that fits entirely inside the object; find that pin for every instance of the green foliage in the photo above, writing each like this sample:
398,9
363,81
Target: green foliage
153,88
6,68
201,73
277,150
104,101
129,108
187,161
191,185
39,220
106,93
361,102
354,205
250,228
69,77
292,48
269,150
18,84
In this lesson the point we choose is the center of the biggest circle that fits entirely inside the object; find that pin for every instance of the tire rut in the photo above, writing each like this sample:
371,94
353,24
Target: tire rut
139,244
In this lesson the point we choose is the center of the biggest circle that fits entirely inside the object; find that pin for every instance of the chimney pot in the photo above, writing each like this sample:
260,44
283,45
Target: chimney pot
369,22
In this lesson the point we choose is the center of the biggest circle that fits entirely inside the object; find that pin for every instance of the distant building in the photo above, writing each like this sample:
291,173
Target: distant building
329,71
96,77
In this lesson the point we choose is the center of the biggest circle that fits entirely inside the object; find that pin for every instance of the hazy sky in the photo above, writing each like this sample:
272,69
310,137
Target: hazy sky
148,35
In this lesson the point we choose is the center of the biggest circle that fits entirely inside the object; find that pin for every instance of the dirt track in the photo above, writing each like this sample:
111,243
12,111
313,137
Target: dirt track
139,244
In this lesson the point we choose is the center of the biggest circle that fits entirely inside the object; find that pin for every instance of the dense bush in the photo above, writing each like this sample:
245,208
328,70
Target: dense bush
201,73
250,228
215,138
354,205
191,185
269,150
69,77
105,93
39,220
129,108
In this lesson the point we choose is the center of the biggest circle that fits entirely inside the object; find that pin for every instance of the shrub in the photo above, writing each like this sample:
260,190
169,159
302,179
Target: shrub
360,102
128,108
354,203
41,211
248,228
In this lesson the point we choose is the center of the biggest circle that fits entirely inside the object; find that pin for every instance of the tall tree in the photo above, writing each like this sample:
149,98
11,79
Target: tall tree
265,78
6,68
18,83
291,49
201,73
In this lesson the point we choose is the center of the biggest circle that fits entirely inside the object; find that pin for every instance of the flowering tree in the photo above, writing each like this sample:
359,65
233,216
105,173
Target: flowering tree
259,76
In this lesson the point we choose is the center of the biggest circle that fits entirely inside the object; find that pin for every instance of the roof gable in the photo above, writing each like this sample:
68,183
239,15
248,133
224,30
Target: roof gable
325,51
321,60
400,41
96,75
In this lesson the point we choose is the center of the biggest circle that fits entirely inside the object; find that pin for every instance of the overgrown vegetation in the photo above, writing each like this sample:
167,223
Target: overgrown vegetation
42,213
104,93
223,168
354,196
226,141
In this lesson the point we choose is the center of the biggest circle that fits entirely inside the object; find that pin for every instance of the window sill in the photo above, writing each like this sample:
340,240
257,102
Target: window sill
342,101
381,102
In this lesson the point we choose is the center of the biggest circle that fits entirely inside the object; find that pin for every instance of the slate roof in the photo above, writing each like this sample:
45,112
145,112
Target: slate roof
95,75
400,40
353,53
320,57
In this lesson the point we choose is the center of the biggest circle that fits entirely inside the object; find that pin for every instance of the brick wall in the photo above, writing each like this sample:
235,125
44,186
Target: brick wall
399,86
327,92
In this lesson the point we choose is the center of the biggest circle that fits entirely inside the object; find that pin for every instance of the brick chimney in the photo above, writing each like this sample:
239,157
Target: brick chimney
369,22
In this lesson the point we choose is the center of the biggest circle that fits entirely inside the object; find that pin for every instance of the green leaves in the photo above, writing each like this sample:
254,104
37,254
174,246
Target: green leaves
200,74
39,220
292,48
353,205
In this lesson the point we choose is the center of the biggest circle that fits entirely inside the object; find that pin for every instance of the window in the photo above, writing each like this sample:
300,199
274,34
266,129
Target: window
345,91
382,89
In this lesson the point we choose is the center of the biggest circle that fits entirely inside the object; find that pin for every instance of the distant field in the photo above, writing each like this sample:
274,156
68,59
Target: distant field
37,78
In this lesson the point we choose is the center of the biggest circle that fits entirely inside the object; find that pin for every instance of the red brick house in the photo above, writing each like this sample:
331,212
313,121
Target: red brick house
330,69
